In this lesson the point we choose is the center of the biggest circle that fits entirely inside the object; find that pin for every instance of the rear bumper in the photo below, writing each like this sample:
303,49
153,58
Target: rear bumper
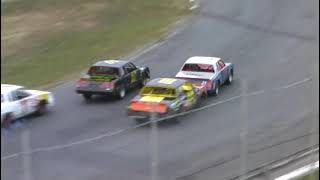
145,115
96,91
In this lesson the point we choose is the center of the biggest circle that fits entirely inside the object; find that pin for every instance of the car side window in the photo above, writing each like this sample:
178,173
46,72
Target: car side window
221,64
19,94
133,67
218,67
14,96
128,68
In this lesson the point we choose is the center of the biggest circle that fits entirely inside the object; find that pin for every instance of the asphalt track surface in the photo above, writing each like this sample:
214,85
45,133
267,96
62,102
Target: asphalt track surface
272,43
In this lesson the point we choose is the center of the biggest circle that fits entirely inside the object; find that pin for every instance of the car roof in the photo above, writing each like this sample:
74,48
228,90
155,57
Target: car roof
111,63
5,88
166,82
203,60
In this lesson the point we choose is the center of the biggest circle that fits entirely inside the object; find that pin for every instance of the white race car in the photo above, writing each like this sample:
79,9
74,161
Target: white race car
207,73
18,102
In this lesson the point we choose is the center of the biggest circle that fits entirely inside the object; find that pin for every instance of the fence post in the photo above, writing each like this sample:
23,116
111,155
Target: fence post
154,146
27,160
243,130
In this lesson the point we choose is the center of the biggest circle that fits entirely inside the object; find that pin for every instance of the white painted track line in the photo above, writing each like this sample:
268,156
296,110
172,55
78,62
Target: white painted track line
299,172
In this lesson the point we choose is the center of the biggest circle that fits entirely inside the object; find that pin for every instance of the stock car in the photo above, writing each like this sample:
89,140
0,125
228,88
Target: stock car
18,102
112,77
207,73
163,97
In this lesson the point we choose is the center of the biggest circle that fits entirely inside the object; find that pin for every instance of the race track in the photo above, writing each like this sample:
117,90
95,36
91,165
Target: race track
274,47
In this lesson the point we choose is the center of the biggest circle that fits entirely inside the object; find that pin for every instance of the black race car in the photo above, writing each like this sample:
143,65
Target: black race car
112,77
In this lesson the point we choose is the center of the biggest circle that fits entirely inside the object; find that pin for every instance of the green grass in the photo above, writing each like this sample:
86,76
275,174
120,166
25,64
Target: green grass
48,41
313,176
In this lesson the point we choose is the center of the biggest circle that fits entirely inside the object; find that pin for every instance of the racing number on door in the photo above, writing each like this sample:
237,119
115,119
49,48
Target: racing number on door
133,77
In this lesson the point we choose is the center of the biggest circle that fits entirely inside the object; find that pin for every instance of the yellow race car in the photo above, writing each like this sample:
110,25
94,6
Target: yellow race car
162,97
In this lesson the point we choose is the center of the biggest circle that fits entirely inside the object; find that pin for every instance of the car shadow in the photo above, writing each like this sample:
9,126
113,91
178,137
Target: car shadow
108,99
167,123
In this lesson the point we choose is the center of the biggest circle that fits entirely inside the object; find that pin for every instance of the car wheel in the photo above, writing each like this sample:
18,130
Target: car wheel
216,90
42,108
182,109
87,97
140,121
197,103
230,78
8,120
122,93
144,82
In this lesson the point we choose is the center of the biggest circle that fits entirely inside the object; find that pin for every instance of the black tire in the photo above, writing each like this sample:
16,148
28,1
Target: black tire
122,92
216,89
230,78
42,108
197,104
8,120
87,97
140,121
143,82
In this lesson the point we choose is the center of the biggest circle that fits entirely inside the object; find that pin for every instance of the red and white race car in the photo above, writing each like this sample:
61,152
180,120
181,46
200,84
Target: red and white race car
207,73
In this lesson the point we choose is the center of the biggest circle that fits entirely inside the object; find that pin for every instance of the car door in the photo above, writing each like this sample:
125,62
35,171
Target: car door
15,104
183,98
131,74
189,91
222,70
23,102
135,74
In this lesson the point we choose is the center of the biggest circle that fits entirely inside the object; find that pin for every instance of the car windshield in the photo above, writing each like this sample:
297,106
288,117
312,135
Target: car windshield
158,91
198,68
103,71
2,98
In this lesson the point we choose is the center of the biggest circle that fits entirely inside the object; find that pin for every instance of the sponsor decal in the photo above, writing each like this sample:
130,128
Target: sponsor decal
133,76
